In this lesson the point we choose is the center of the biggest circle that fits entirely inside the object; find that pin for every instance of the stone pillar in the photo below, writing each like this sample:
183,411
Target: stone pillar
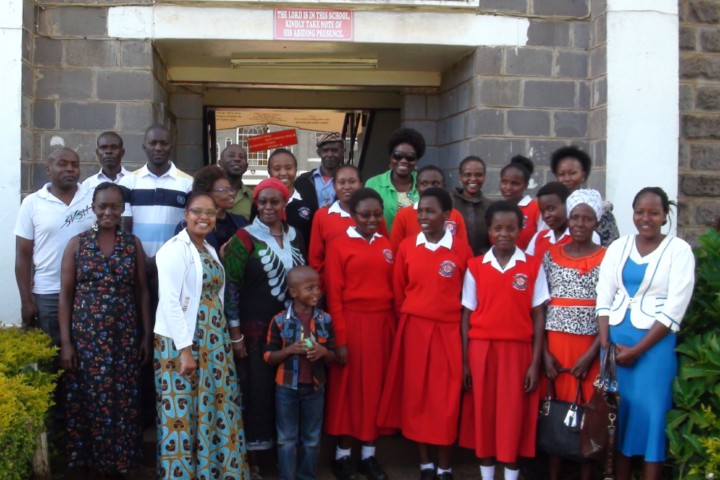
15,98
187,109
642,99
700,114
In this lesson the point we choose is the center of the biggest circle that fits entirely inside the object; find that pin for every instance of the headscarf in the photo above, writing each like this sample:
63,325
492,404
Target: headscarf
274,184
588,196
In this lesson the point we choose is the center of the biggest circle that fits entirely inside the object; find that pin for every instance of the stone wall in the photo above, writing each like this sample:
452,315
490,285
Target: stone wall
700,115
498,102
77,83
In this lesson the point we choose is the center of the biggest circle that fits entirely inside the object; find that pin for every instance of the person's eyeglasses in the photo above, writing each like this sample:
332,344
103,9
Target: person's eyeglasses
210,212
225,190
410,157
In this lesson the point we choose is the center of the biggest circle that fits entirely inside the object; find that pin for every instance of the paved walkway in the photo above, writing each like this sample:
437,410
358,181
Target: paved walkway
397,455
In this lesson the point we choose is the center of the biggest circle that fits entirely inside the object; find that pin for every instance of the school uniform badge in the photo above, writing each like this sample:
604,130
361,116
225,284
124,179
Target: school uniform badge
304,213
520,282
447,268
452,226
388,255
525,221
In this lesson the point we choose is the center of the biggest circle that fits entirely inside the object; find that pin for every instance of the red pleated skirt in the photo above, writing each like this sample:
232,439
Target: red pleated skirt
354,390
424,381
567,348
498,419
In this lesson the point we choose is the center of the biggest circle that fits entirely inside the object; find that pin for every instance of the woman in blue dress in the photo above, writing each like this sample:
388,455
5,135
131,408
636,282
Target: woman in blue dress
646,281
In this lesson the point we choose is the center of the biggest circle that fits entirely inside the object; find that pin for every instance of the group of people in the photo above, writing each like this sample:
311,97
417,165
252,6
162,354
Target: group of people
320,302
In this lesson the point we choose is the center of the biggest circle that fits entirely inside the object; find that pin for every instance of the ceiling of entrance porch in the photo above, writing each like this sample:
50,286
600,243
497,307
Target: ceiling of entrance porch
398,65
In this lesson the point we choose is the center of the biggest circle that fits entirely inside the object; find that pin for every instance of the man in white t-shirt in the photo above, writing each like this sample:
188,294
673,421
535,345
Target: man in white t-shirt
109,152
47,220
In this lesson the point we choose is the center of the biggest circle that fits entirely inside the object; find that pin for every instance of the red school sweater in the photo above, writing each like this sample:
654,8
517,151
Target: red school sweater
327,226
358,276
429,284
406,225
531,218
504,300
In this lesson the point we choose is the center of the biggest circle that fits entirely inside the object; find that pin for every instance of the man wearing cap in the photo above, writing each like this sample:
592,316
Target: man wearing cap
317,184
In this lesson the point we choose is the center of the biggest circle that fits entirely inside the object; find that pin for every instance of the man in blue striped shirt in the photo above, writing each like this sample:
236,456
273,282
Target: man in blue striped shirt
155,195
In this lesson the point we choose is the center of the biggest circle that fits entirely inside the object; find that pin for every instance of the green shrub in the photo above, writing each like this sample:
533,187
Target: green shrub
25,397
693,426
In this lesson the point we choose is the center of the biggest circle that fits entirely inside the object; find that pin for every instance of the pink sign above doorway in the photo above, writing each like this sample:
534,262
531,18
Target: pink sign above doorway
313,25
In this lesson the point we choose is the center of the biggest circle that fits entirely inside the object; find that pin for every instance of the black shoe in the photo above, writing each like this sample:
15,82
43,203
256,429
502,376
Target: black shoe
343,469
371,469
444,476
427,474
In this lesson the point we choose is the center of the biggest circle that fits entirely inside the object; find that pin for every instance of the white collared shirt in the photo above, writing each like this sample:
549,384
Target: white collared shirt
295,196
95,180
336,208
446,241
541,293
352,233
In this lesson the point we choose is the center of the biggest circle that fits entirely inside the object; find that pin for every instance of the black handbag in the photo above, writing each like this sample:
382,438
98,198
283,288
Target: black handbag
559,422
597,439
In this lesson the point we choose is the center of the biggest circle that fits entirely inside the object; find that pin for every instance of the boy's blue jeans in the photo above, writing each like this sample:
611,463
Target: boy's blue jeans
298,417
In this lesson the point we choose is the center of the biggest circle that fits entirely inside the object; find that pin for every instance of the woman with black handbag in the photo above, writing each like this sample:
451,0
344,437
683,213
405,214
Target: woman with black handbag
645,286
571,342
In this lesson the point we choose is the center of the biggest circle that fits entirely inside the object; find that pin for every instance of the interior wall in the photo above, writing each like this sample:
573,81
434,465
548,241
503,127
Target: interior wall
376,161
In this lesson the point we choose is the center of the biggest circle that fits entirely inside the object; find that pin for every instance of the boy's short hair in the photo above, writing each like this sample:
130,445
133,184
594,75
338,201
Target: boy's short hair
299,273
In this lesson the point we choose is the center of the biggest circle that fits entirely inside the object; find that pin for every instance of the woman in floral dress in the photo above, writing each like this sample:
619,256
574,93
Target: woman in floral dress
200,428
105,336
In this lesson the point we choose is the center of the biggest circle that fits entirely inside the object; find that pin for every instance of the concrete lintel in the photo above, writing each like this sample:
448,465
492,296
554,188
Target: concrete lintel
406,27
303,77
658,6
642,102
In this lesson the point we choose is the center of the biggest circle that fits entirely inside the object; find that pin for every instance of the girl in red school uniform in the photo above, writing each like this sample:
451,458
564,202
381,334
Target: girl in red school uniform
514,180
334,220
424,381
358,275
503,323
551,200
406,223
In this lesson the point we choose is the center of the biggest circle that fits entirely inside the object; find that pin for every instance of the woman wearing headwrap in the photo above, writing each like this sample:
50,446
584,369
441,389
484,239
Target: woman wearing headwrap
257,260
572,272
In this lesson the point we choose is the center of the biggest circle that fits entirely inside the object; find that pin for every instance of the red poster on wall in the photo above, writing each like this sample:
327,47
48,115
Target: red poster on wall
268,141
313,24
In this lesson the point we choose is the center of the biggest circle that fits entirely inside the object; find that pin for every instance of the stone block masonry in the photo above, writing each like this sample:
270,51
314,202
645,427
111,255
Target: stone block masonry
699,156
527,100
79,83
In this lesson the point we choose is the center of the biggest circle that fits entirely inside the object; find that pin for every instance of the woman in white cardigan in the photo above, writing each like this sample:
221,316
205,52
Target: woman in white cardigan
646,281
200,433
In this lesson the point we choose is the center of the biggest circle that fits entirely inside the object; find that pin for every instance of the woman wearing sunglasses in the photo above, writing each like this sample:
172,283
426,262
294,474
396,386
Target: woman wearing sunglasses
397,186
